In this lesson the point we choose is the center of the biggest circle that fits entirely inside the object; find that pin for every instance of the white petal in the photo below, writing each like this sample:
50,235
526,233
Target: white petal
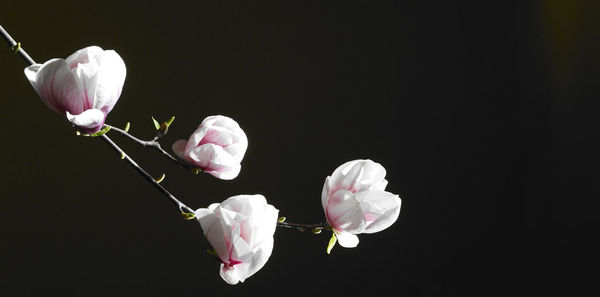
212,157
346,239
325,193
89,119
260,258
237,150
195,138
357,175
228,174
245,204
214,232
381,209
83,56
350,176
263,224
229,274
373,174
109,80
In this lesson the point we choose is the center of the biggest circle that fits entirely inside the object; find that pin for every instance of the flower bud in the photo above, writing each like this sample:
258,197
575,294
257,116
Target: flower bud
84,87
216,147
240,229
355,201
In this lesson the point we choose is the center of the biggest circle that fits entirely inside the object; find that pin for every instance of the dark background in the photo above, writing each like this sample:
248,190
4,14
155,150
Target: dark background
484,116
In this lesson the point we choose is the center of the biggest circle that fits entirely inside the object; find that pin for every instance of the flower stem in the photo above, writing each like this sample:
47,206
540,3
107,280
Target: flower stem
182,207
154,144
16,46
304,227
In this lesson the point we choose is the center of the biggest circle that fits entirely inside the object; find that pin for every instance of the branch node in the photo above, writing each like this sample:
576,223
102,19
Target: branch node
16,48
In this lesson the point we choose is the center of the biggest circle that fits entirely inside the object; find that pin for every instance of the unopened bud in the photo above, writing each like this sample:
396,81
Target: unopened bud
188,215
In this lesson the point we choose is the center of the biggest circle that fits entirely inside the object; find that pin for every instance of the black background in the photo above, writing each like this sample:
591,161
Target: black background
484,116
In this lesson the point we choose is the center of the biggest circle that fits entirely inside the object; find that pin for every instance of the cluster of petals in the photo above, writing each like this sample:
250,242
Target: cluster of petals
355,201
240,229
84,87
216,147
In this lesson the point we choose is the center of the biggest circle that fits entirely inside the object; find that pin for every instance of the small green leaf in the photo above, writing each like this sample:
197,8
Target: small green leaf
188,215
212,252
170,121
332,242
99,133
316,231
281,219
156,124
160,178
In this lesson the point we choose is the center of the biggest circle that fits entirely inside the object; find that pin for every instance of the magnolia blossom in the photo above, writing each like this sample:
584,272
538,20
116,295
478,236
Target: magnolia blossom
217,147
84,87
355,201
240,229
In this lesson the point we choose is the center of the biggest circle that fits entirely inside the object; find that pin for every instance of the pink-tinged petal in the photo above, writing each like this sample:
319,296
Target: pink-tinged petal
219,136
84,66
179,148
241,231
217,146
109,80
229,274
214,232
211,157
200,156
90,121
344,213
240,250
339,177
346,239
249,266
351,176
229,174
221,160
383,221
195,138
357,175
56,86
381,209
